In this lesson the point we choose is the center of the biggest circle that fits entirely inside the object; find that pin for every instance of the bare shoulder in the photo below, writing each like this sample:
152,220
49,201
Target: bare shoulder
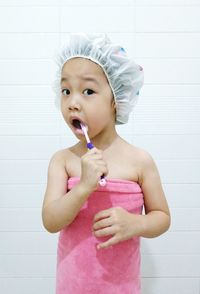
57,176
140,155
59,155
143,157
145,163
136,152
59,158
149,174
57,169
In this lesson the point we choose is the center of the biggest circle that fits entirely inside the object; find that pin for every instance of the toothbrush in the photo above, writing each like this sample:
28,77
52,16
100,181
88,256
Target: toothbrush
102,181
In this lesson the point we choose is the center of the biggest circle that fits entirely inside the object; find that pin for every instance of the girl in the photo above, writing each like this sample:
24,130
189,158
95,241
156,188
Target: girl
100,226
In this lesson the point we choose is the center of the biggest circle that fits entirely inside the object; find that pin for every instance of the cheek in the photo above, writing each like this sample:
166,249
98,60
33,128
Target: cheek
102,114
64,112
63,105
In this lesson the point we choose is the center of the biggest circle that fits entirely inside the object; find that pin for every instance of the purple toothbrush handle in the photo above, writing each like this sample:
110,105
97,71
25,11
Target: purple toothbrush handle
102,181
90,145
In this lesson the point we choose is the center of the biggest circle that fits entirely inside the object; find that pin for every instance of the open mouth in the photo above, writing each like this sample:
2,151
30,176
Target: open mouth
76,123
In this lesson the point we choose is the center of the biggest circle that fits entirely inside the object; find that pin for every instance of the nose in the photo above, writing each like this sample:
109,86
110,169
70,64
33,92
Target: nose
74,103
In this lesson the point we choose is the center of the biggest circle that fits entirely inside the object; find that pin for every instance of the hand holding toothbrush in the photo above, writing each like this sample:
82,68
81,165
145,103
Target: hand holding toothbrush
102,181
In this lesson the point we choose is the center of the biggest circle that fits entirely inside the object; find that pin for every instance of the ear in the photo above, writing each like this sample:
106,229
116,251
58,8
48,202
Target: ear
114,106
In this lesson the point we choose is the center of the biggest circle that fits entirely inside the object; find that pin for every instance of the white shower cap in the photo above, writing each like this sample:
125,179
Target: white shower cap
124,76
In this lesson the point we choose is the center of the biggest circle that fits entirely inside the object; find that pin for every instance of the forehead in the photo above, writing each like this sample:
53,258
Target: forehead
82,66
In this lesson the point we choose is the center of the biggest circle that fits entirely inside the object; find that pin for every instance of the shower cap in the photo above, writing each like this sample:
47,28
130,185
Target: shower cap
124,76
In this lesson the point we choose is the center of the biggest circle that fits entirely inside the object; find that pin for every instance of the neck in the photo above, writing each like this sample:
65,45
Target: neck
104,140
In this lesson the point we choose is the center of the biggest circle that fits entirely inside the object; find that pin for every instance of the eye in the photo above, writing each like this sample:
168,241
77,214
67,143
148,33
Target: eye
65,92
88,92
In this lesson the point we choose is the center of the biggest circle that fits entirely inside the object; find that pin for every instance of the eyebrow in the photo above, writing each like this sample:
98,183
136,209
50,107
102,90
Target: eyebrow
89,79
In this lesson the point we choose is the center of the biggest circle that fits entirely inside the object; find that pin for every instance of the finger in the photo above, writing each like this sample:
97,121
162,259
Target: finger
94,157
103,170
103,223
100,162
105,232
112,241
94,151
102,214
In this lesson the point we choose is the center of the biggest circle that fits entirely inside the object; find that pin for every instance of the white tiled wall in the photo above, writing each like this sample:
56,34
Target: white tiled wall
161,35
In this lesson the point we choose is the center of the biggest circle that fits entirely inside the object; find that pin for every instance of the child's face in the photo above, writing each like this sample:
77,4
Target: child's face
87,96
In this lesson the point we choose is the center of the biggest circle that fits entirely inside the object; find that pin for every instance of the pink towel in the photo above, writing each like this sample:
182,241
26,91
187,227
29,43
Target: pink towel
83,269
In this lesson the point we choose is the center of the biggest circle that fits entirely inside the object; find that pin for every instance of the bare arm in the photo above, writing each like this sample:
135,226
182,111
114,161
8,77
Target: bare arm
157,216
60,208
123,225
